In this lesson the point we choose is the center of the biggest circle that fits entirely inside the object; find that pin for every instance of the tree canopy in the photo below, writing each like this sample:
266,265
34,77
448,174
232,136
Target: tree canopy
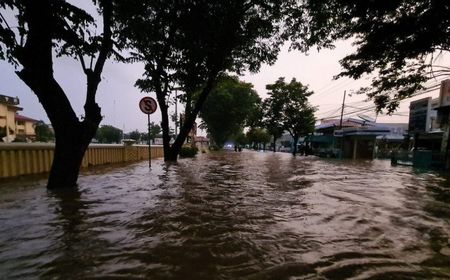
258,136
228,107
397,42
109,134
43,132
188,44
295,115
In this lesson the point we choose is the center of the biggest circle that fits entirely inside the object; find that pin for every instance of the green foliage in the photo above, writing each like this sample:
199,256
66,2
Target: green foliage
290,106
396,42
43,132
108,134
135,135
272,120
155,129
241,139
188,151
227,108
258,135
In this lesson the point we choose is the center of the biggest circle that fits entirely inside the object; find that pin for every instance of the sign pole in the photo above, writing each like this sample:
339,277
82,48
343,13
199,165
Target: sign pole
149,143
148,106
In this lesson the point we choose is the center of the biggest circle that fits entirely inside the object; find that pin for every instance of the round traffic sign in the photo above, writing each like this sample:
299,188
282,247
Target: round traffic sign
148,105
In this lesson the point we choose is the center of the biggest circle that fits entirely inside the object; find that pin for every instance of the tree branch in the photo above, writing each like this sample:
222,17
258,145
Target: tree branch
8,27
92,110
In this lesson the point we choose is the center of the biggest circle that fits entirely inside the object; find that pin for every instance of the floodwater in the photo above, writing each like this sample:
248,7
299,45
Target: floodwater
231,215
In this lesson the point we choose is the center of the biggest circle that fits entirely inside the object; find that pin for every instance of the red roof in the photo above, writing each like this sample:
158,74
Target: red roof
25,119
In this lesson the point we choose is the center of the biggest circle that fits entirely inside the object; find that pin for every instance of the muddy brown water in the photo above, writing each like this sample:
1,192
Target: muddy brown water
231,215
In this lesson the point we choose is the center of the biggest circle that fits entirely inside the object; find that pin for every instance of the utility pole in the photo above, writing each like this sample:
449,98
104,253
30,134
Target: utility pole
342,110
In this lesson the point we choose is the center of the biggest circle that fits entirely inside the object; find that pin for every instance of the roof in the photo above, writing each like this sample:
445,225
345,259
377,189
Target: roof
366,131
25,119
349,122
9,100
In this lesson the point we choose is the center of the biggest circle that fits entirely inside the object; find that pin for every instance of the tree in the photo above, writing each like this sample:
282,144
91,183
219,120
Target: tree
48,27
397,42
135,135
227,108
257,136
272,118
296,114
241,139
109,134
155,129
189,44
43,132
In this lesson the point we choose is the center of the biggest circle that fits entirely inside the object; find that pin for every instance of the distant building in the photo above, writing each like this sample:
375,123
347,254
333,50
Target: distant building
13,125
25,127
353,138
394,140
423,115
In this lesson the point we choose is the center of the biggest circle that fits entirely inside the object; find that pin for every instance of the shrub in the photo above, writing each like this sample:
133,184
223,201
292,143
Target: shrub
188,151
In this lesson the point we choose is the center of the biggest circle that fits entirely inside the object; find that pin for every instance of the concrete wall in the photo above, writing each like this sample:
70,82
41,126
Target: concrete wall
18,159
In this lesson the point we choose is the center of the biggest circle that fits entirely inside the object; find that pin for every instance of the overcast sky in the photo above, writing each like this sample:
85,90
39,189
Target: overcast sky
119,98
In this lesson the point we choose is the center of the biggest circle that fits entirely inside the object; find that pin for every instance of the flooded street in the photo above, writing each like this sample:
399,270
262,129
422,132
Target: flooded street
231,215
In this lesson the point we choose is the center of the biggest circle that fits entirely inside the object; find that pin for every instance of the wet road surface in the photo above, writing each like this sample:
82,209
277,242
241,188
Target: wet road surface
231,215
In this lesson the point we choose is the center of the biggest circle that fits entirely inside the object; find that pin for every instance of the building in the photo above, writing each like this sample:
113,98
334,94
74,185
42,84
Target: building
354,138
429,128
396,139
13,125
25,127
423,115
443,117
324,142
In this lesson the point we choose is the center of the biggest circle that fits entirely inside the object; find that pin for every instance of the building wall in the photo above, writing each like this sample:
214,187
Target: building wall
7,117
3,110
19,159
25,128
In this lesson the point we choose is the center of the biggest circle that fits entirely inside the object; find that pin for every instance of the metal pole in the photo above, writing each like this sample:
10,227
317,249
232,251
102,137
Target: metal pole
149,144
342,110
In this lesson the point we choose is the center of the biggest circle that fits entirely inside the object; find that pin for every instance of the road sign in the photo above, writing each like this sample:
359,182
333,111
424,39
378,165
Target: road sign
148,105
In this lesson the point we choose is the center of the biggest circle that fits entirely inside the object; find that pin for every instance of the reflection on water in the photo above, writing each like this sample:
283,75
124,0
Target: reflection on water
231,216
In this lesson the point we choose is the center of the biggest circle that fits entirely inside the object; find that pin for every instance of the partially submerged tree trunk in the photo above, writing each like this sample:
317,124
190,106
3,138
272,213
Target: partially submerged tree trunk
72,136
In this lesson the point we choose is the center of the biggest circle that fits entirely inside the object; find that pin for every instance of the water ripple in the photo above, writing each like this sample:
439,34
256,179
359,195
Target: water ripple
231,216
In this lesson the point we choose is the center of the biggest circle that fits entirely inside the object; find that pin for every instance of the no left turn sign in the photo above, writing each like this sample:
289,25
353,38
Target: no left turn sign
148,105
